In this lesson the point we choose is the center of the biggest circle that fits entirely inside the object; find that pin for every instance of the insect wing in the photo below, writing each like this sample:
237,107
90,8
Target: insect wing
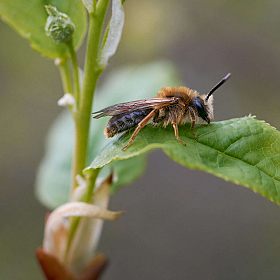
134,105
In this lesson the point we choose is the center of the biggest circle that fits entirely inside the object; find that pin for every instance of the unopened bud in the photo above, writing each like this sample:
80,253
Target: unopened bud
59,26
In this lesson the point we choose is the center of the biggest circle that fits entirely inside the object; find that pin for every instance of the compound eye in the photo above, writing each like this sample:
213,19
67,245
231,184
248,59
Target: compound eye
200,108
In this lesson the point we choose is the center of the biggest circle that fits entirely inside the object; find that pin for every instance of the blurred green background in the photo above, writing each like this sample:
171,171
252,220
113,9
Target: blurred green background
179,223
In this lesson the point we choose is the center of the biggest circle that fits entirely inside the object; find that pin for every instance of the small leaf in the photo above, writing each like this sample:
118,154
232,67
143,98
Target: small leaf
52,267
130,83
28,18
114,33
57,228
245,151
55,270
95,268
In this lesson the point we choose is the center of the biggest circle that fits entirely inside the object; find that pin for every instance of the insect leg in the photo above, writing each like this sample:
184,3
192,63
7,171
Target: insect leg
140,125
192,115
175,126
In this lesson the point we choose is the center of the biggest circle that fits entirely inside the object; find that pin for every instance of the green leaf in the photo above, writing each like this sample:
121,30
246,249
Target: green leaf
244,151
28,18
130,83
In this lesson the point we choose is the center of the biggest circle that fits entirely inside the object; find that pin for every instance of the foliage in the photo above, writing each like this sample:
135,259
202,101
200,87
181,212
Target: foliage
244,151
29,18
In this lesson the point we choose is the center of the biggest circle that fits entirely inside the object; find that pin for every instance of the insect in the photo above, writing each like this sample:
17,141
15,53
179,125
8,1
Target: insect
173,105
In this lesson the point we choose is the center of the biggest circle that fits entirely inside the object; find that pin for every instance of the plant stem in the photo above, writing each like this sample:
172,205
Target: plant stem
92,73
65,74
91,176
82,117
75,72
90,179
94,5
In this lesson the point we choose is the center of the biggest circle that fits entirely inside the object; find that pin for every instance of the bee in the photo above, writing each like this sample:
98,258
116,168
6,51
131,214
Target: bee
173,105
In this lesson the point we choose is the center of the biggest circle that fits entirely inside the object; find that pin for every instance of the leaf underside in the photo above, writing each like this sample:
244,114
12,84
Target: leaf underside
244,151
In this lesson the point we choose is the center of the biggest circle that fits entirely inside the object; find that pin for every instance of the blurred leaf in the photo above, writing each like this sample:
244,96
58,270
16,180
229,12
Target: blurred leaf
244,151
95,268
130,83
28,18
114,34
127,171
52,267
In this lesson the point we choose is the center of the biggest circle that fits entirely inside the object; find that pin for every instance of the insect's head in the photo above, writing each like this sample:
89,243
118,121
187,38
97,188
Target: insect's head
203,105
203,110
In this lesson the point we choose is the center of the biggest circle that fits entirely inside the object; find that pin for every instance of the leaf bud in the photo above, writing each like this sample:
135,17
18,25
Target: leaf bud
59,26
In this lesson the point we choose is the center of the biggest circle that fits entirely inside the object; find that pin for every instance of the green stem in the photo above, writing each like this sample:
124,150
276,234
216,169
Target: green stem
94,5
75,72
82,117
91,176
90,179
92,73
65,74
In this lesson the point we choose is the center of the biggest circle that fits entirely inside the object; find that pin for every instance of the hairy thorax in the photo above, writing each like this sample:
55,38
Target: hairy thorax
181,109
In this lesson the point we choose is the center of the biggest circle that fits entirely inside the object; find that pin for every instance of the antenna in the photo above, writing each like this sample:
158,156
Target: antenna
217,86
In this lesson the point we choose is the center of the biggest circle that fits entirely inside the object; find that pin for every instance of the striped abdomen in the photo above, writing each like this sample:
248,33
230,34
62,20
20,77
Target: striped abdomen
122,122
